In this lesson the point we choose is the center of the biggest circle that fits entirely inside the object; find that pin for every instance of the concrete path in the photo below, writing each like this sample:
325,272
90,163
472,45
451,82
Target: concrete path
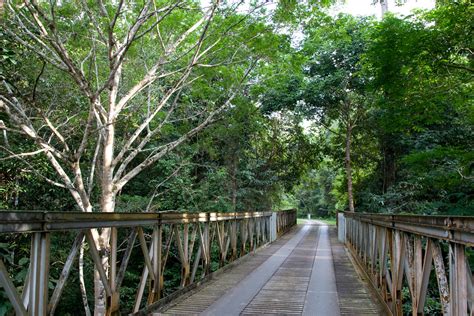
321,297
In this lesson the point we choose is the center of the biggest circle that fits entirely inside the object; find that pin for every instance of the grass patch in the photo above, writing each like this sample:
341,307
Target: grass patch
327,221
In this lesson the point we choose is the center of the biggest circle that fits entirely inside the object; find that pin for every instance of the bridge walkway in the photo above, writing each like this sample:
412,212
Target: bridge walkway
305,272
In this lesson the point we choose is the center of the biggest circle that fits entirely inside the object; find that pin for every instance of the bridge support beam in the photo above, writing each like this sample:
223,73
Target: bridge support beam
193,234
391,249
39,274
341,227
457,279
273,227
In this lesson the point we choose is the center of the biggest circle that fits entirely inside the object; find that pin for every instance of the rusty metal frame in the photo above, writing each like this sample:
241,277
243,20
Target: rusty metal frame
191,234
285,220
457,229
394,248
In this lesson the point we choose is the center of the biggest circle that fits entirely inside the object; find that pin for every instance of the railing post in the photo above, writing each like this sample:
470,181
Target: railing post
113,303
243,236
457,280
273,226
39,274
221,238
233,239
157,284
257,227
251,225
341,227
267,229
207,246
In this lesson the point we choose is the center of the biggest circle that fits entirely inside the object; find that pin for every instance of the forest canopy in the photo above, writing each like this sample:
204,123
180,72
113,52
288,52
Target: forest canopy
184,105
213,107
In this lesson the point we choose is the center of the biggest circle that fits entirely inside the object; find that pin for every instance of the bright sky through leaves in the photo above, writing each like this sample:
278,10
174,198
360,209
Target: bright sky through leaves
365,7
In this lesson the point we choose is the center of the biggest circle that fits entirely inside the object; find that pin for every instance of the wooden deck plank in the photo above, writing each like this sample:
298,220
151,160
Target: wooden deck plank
286,291
354,295
204,296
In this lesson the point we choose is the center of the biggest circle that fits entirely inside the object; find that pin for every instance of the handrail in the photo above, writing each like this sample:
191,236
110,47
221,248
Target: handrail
34,221
196,238
393,250
285,220
459,229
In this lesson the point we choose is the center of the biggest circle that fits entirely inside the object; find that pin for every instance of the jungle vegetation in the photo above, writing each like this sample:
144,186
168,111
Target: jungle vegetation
118,106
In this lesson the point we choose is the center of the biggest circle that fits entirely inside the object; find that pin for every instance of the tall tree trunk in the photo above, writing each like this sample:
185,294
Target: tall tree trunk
384,6
350,195
233,174
103,244
389,168
107,205
108,194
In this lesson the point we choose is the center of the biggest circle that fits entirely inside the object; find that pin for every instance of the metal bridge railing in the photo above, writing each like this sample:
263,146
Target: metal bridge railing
397,251
285,220
193,236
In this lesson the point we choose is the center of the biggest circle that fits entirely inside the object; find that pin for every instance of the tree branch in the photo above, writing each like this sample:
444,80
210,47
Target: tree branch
155,156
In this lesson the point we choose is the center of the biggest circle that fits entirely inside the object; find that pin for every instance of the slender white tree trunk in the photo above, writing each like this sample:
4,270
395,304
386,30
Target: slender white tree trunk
108,194
384,6
106,106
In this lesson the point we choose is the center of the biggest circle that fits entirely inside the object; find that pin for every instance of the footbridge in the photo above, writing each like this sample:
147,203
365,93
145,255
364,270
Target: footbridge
248,263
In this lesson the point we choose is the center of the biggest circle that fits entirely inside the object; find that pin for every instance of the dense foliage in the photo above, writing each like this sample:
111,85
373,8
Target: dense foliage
252,109
179,73
403,88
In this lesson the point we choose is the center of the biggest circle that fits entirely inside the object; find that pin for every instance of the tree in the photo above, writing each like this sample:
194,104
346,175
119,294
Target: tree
330,88
103,82
422,115
336,90
259,157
